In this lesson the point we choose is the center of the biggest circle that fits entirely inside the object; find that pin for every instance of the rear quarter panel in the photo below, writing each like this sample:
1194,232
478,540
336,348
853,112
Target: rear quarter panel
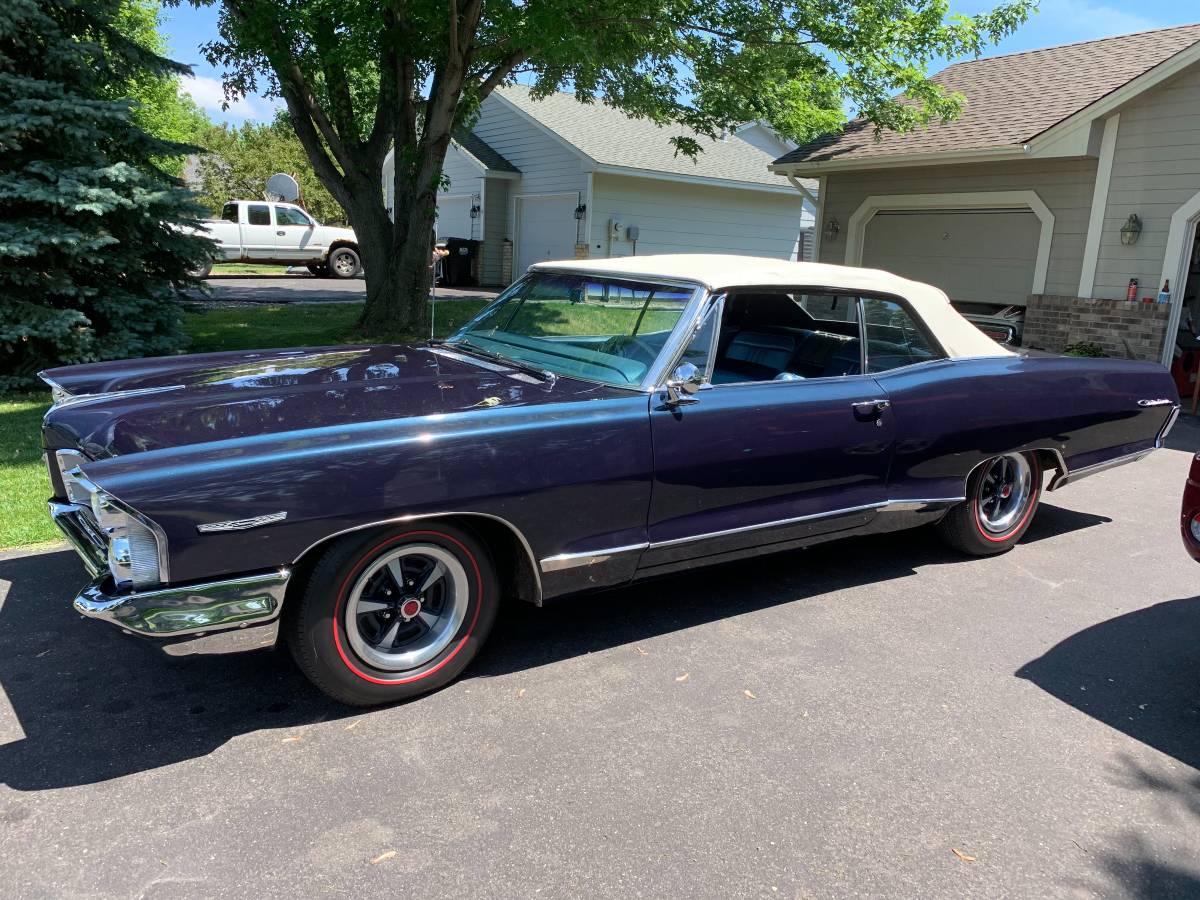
953,414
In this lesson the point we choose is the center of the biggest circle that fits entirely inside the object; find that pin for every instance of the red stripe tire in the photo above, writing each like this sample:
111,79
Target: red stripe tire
1002,497
390,615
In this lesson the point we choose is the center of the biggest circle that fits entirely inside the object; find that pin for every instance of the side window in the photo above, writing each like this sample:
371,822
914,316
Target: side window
786,335
286,215
258,214
230,212
894,338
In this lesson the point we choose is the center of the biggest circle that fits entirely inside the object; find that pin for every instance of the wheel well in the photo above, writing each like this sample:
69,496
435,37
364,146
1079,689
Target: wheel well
1048,460
510,554
338,245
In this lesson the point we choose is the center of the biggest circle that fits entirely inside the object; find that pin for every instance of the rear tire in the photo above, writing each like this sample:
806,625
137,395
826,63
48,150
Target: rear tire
394,614
1002,496
343,262
202,270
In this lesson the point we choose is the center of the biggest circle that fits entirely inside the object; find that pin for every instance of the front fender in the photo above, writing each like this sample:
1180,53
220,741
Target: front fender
550,472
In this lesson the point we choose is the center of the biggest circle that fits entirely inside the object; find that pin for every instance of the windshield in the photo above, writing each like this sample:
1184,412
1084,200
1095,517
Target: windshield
594,328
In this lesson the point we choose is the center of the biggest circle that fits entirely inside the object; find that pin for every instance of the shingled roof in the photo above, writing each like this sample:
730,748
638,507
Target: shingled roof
1011,99
612,138
483,152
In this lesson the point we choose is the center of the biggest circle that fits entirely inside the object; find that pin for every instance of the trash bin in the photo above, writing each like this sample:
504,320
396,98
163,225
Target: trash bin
458,269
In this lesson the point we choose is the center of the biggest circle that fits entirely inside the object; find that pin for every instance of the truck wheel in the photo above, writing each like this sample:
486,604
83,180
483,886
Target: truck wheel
343,263
201,271
392,615
1002,495
321,270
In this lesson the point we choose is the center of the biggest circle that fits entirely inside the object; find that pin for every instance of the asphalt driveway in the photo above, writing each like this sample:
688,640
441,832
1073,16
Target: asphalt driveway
875,717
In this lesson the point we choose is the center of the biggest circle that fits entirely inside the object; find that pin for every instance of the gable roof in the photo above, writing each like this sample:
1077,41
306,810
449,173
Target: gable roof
616,141
483,153
1011,99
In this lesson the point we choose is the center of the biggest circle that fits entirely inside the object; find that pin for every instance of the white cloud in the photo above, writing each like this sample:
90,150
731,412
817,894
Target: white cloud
1086,21
210,96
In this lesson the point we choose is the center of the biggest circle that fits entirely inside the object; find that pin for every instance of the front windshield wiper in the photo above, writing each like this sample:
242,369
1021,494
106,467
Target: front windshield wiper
468,347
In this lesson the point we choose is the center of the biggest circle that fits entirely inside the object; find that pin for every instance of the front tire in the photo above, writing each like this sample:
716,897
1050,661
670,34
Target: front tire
343,263
394,614
1002,496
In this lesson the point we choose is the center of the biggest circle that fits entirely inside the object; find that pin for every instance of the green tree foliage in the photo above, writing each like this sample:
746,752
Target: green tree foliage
240,160
90,261
360,77
161,107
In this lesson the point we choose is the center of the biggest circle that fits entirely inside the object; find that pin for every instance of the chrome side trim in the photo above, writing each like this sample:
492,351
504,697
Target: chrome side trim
920,505
591,557
242,524
1172,418
1163,401
587,558
400,520
1075,475
192,609
655,545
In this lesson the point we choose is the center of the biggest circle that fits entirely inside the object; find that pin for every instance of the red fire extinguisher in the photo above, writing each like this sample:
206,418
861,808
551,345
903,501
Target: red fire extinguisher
1131,292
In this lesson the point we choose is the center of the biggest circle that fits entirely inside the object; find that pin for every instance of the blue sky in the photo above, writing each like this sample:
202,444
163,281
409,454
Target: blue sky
1058,22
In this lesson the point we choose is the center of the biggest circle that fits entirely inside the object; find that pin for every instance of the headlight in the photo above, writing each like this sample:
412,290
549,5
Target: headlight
132,547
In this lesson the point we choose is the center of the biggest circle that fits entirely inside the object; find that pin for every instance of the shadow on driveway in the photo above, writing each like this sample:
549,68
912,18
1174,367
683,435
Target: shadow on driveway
1138,673
94,704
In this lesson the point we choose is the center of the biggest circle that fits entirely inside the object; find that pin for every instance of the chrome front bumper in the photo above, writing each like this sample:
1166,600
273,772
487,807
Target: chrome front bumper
189,609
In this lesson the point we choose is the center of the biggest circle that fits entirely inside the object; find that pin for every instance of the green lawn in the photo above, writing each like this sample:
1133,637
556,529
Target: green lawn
24,485
247,269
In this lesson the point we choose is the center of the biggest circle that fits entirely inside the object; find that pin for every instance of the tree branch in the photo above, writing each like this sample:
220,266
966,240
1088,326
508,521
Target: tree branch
503,69
286,68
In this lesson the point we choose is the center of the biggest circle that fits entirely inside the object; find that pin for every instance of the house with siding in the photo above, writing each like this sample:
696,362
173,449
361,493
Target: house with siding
555,178
1071,171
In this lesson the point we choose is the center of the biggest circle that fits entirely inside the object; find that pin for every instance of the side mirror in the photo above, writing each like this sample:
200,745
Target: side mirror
685,381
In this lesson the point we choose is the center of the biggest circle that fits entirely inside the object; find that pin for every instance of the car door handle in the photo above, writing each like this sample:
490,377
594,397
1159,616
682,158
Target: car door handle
281,233
870,408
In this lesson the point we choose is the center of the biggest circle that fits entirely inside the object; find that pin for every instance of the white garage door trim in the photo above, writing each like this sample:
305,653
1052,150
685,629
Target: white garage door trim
1175,261
856,231
517,250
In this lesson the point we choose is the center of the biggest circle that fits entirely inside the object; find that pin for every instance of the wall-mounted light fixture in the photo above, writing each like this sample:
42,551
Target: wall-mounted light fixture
1131,230
832,229
580,212
475,206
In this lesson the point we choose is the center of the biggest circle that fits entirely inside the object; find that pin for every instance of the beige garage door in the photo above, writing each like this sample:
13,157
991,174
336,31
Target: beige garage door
975,256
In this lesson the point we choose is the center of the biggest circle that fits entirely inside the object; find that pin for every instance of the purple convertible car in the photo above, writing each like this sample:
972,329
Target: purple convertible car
600,422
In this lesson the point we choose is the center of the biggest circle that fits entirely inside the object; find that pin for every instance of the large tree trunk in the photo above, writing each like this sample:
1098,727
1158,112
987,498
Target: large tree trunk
397,260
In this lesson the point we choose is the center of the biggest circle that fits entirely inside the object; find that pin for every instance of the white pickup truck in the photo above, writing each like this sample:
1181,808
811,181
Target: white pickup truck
281,234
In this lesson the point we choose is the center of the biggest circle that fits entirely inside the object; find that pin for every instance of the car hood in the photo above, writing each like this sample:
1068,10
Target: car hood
134,406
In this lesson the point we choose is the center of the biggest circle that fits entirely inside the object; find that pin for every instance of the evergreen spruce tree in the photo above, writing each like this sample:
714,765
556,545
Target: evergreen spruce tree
91,252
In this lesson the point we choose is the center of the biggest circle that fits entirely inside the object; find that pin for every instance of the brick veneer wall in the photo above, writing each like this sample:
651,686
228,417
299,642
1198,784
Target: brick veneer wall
1054,322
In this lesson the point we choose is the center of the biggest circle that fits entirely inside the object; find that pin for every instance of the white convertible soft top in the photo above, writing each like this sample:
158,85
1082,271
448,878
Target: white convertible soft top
719,272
